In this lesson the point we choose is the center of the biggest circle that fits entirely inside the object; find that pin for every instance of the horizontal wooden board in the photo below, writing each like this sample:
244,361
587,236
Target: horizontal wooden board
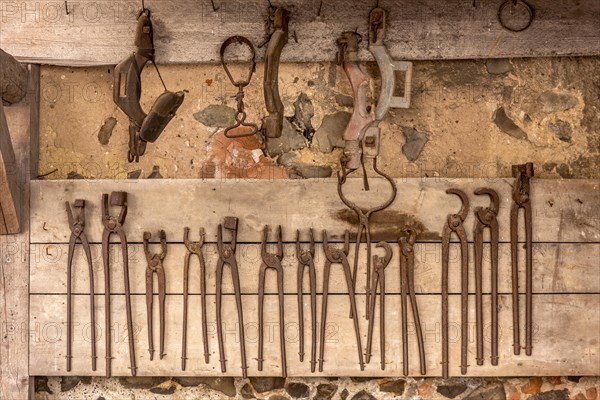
567,333
558,268
190,31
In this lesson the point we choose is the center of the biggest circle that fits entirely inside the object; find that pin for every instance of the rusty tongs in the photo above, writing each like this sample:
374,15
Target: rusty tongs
77,226
454,224
306,259
155,266
379,266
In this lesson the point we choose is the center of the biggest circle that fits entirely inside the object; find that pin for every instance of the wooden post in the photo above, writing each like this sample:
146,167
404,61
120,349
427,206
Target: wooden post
13,79
9,209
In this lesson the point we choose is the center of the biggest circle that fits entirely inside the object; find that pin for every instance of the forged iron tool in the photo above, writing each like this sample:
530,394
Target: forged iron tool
227,257
407,287
114,225
77,226
273,123
521,199
380,264
127,92
338,256
306,259
240,117
194,248
454,224
271,261
155,266
486,218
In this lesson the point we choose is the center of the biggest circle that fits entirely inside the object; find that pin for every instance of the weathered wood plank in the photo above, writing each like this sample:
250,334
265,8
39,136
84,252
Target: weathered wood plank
9,185
101,32
559,320
13,78
564,210
558,268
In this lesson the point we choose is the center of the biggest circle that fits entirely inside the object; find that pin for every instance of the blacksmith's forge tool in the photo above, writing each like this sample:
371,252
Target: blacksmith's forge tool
407,290
306,259
379,266
194,248
486,218
77,226
338,256
271,261
240,116
522,199
273,123
454,224
155,266
227,257
114,225
127,92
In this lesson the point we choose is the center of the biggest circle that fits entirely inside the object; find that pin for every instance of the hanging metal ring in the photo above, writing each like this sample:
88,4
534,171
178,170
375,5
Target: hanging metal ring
515,3
242,41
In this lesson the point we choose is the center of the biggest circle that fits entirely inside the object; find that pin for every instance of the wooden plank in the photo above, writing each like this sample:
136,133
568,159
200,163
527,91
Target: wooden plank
9,208
34,118
564,210
13,79
559,319
101,32
558,268
14,276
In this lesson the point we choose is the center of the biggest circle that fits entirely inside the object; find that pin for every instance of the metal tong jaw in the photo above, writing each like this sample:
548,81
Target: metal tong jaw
455,224
306,259
194,248
407,287
77,227
114,225
227,256
271,261
127,92
379,266
521,199
240,117
273,123
338,256
486,218
155,266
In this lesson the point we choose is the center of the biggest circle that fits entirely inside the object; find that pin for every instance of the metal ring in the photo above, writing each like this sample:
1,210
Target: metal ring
238,40
514,3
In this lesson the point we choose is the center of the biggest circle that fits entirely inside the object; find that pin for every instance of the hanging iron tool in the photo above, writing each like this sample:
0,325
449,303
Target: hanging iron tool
306,259
379,266
522,199
454,224
273,123
407,290
114,225
227,257
271,261
77,226
486,218
155,266
127,92
338,256
240,117
194,248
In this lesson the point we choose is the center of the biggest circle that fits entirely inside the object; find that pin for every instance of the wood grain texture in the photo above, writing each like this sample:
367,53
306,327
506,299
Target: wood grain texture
13,78
9,185
189,31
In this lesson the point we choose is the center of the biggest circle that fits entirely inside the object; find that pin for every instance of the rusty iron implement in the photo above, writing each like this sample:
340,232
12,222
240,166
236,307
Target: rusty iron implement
454,224
486,218
77,226
155,266
306,259
240,116
194,248
522,199
379,266
273,123
407,291
338,256
127,91
271,261
227,257
114,225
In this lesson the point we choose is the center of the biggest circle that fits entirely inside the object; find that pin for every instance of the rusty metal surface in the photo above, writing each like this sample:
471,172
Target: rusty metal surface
306,260
155,266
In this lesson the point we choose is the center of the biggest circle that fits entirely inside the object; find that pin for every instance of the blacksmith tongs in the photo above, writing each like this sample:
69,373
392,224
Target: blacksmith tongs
155,266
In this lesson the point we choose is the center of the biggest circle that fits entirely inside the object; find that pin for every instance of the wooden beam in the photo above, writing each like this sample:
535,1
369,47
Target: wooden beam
9,196
13,78
101,32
